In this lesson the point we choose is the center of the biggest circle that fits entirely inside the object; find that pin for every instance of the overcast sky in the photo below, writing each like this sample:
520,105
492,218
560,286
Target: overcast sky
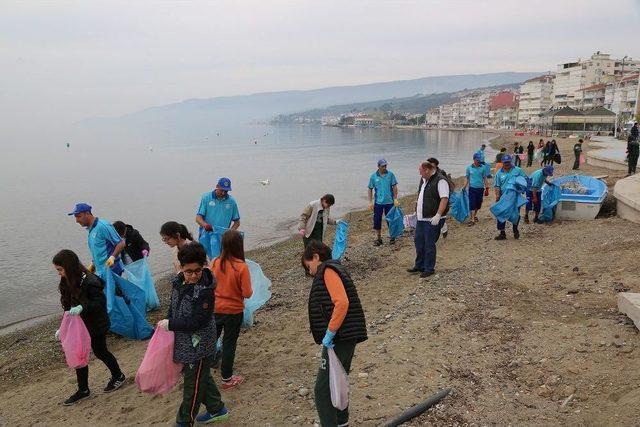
66,61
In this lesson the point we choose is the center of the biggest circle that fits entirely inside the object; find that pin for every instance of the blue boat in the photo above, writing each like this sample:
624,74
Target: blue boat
581,196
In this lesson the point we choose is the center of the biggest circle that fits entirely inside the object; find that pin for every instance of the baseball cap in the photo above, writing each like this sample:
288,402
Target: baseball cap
477,156
224,184
80,207
547,170
507,158
382,162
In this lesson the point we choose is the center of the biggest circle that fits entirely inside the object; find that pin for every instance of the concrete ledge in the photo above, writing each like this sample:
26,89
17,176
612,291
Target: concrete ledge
629,304
610,153
627,194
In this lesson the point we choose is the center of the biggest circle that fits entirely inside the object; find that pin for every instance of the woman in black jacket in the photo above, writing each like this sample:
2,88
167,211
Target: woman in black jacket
81,293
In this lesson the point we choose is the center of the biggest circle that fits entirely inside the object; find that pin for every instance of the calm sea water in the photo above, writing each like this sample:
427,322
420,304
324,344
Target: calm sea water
146,179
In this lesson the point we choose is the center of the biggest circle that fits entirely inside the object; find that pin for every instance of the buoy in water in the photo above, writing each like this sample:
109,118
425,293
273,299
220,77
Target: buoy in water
264,182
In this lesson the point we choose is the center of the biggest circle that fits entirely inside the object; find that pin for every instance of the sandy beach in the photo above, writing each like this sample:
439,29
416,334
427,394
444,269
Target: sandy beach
525,333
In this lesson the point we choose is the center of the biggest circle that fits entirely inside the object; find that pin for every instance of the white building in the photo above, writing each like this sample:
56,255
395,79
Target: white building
535,99
571,78
622,97
433,117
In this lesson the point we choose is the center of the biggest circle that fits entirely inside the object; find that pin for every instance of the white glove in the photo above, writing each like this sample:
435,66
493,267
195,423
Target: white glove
164,324
57,334
436,219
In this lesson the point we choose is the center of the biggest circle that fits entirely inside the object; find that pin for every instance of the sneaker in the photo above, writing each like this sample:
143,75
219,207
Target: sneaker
413,270
392,240
516,234
501,236
232,382
76,397
377,242
207,417
426,274
114,384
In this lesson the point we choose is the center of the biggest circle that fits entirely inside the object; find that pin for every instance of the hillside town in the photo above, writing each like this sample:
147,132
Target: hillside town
597,94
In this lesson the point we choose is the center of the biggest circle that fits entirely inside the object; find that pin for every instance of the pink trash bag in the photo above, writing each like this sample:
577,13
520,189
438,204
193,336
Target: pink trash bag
582,159
76,341
158,373
338,382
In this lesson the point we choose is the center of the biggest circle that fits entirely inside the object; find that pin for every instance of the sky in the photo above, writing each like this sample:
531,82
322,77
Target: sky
64,61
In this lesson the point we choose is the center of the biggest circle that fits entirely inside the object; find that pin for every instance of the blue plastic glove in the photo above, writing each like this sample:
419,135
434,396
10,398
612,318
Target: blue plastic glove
327,341
75,310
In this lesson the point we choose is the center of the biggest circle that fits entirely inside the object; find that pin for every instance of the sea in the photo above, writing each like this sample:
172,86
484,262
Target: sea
147,178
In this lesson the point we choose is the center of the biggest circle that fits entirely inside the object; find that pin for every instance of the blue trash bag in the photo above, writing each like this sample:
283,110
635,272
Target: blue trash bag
138,272
459,205
508,207
550,198
340,240
529,195
212,240
395,222
487,168
126,306
261,287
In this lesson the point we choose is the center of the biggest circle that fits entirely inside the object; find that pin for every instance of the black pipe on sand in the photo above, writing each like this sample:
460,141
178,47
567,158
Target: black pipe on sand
414,411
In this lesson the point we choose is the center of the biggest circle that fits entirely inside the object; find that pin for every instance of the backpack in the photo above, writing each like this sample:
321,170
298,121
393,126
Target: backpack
447,177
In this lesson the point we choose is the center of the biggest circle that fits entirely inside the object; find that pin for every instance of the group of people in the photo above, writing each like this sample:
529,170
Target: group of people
207,300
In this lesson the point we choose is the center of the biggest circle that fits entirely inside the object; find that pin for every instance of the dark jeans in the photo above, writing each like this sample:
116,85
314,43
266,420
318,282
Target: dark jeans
316,234
377,214
99,347
425,240
517,159
576,162
198,388
634,151
330,416
230,323
501,225
529,159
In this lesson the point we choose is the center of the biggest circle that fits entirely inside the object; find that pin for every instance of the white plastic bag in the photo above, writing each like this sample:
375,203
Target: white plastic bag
338,382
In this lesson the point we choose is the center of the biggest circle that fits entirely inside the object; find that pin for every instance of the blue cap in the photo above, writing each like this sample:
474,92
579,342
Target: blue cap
507,158
477,156
547,170
382,162
224,184
80,207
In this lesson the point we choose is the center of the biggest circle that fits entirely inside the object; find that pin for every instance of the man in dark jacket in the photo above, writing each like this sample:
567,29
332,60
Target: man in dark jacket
577,151
633,149
136,247
432,205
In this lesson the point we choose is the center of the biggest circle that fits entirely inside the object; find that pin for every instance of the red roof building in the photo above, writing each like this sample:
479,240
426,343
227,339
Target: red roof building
503,100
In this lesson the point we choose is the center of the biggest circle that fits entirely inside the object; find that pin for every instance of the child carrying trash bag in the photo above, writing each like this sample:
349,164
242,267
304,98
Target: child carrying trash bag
337,321
81,294
233,285
191,319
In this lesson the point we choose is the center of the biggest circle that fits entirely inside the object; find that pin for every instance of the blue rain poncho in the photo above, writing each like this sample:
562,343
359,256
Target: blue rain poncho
550,198
459,205
395,222
340,240
126,306
139,274
261,287
508,207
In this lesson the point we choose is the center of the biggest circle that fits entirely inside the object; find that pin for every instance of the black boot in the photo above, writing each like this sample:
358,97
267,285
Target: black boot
501,236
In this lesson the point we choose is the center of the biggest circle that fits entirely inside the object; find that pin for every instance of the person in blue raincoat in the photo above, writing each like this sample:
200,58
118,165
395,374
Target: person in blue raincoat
105,244
505,180
538,179
218,208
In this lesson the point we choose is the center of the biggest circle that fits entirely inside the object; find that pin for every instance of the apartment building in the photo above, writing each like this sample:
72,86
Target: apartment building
571,78
503,110
535,99
622,97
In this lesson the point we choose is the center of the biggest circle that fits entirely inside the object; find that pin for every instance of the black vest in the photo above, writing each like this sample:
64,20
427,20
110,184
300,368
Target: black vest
354,327
431,198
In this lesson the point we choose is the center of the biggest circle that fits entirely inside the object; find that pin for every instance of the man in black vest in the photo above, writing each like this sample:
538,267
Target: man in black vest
433,204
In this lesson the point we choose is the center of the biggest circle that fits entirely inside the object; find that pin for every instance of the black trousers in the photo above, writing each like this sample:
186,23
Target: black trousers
634,152
231,324
99,348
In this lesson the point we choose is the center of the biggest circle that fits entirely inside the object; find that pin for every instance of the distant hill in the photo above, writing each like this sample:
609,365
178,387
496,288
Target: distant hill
417,104
265,106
